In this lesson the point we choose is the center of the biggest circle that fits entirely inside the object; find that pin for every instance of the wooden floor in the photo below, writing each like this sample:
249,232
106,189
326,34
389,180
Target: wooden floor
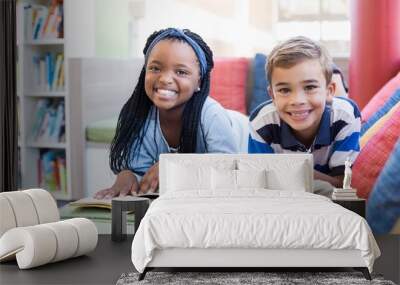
102,266
110,259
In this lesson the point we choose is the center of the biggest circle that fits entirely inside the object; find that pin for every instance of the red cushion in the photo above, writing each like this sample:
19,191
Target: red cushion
228,82
374,154
380,98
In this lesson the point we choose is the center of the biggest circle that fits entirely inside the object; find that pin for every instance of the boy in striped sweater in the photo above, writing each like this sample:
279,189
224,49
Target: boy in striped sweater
303,116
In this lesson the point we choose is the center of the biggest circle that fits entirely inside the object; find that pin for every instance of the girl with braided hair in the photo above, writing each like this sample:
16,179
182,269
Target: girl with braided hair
169,111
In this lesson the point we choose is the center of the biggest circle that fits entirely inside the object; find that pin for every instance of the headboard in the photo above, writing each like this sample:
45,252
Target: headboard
285,171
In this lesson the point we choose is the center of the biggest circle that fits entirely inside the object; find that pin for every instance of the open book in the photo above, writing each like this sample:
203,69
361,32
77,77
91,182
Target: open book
90,202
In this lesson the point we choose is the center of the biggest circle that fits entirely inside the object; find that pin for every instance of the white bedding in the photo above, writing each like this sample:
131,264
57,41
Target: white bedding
251,218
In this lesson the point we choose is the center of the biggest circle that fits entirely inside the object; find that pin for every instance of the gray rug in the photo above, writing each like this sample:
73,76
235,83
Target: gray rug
228,278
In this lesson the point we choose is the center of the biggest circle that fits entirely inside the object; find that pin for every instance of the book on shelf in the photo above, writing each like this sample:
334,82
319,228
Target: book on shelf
95,214
92,203
340,190
344,194
48,69
51,170
345,198
44,21
56,72
49,122
89,202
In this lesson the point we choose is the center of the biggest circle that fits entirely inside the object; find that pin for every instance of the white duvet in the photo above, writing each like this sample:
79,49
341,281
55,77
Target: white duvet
253,218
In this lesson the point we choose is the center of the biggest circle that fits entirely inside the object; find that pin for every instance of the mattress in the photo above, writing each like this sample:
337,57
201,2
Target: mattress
101,131
251,219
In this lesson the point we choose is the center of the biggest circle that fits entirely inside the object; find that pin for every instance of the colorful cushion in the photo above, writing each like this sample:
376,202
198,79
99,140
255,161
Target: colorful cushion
259,93
374,154
383,207
228,82
393,100
381,97
377,126
102,131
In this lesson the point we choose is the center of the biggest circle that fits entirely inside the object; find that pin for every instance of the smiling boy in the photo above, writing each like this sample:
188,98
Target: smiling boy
298,118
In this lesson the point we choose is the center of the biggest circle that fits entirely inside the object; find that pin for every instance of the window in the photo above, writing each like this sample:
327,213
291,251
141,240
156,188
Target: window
323,20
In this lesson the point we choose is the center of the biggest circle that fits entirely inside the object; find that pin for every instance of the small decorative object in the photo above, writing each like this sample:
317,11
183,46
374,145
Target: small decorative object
347,192
347,174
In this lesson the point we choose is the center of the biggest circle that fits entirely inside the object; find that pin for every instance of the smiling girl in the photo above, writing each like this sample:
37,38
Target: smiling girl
169,111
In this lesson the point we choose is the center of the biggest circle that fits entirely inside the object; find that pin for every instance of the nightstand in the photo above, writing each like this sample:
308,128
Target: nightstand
357,205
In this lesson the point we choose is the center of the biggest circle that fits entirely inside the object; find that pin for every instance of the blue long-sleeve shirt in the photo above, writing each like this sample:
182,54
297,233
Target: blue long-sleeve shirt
216,125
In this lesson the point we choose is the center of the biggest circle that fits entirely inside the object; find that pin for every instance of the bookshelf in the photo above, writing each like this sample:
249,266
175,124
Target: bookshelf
49,156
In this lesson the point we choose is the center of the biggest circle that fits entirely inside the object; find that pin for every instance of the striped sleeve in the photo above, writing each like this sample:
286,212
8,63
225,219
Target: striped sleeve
257,144
347,126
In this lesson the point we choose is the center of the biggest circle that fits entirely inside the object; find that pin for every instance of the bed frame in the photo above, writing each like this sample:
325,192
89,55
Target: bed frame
250,258
247,259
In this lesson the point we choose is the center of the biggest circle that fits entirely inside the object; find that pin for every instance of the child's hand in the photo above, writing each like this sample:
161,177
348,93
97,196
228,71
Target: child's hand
336,181
126,183
149,181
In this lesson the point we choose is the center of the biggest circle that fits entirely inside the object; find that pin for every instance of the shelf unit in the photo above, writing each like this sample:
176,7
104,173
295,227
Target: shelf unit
30,93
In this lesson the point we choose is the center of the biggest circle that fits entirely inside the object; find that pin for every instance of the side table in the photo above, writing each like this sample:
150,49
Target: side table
357,205
119,209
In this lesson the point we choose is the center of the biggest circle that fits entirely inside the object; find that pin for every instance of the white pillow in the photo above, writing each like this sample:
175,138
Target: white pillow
293,180
236,179
223,179
251,178
283,173
182,177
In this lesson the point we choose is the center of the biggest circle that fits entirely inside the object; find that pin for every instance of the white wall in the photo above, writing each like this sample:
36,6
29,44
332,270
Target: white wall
227,35
79,28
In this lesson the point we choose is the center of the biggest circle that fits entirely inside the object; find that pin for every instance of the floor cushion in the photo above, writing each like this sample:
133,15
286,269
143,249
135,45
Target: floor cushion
374,155
384,109
377,126
383,207
381,97
102,131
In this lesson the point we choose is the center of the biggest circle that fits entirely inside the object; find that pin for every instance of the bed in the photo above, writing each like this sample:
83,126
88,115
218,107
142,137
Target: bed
219,210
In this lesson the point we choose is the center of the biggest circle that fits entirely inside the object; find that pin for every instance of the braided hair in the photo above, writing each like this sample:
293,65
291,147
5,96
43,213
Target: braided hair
131,126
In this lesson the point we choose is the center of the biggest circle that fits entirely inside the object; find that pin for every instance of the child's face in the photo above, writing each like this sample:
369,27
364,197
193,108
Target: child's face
300,94
172,74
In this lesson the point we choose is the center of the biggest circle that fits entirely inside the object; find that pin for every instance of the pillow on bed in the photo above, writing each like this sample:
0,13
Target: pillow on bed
279,180
280,174
251,179
181,177
236,179
188,174
223,179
